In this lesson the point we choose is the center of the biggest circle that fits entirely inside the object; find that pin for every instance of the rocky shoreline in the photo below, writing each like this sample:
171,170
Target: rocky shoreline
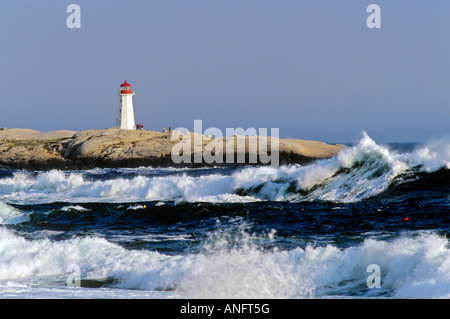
114,147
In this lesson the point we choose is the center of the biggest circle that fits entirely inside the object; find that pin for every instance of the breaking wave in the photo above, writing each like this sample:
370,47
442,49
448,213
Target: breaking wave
414,266
356,173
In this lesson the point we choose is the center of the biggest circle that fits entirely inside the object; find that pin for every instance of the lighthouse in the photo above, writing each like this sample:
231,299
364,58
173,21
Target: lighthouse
126,115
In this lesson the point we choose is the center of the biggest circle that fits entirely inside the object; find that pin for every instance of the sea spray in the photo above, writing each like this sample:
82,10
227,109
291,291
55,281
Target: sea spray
235,264
356,173
297,231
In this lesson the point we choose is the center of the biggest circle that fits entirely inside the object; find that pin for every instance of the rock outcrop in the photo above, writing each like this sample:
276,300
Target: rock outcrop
113,147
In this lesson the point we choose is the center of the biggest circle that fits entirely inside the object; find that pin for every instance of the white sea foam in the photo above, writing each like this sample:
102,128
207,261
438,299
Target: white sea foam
411,266
10,215
77,208
357,172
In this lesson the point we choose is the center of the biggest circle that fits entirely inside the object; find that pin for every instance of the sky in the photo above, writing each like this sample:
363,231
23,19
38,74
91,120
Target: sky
311,68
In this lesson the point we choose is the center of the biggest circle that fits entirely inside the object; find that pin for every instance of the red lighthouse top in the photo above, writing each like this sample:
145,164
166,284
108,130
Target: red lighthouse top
125,88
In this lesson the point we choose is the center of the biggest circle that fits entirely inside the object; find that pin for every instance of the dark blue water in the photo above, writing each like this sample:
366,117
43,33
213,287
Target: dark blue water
251,232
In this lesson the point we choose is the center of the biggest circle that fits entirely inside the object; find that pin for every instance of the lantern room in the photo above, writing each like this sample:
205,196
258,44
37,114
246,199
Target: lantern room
125,88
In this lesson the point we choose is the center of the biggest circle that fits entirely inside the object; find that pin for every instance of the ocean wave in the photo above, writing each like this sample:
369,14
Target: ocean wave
10,215
356,173
411,266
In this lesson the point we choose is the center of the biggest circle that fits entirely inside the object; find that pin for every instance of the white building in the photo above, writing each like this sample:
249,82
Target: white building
126,116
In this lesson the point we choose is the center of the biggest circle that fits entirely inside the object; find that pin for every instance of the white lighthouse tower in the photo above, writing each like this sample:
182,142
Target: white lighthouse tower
126,115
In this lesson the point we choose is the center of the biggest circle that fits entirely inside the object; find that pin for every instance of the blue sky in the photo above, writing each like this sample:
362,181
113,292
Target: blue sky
311,68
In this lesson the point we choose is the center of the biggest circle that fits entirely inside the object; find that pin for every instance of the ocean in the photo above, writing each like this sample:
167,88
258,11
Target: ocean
372,222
